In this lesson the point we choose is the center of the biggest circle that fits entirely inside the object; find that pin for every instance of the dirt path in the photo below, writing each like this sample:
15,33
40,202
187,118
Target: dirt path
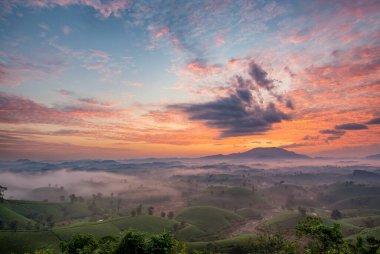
250,226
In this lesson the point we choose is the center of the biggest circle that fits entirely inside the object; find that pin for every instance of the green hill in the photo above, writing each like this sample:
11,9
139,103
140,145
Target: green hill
7,216
190,233
249,213
364,202
36,210
284,222
368,221
144,223
210,220
27,241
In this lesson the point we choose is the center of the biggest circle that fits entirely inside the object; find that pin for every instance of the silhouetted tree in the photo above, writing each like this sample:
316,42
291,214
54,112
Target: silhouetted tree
302,210
150,210
72,198
132,242
336,214
2,189
139,209
119,200
14,225
171,215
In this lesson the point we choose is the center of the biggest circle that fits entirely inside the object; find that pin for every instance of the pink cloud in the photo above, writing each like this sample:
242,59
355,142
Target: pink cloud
19,110
18,68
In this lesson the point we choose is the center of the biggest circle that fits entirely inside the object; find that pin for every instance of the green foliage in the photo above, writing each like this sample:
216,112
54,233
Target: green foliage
164,243
272,244
44,251
132,243
79,244
323,238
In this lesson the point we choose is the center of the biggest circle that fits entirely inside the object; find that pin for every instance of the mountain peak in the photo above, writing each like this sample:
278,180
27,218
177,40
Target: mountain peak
261,153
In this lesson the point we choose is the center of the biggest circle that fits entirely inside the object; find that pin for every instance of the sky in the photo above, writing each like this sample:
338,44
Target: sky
92,79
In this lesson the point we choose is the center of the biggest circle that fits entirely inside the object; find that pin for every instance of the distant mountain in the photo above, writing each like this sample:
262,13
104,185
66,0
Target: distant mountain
374,157
260,153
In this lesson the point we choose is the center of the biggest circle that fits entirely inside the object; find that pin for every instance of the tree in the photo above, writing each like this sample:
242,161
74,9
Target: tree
368,222
150,210
79,244
14,225
49,221
163,214
72,198
131,243
302,210
2,189
323,238
119,200
336,214
139,209
164,243
171,215
271,244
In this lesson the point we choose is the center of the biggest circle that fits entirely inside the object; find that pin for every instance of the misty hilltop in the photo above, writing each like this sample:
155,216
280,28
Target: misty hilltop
261,153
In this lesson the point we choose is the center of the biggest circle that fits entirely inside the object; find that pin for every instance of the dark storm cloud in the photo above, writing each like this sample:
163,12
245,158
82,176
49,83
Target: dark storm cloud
242,112
374,121
260,76
351,126
235,115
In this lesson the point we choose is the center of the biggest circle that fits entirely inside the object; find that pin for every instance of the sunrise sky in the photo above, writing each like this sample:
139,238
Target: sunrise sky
123,79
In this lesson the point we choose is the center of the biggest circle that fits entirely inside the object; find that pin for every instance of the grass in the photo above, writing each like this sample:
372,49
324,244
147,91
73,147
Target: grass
28,241
144,223
32,240
210,220
364,202
7,216
360,221
190,233
96,229
283,221
241,240
249,213
35,209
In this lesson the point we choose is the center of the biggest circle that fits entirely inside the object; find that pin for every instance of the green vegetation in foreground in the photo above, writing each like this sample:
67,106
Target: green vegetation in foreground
314,237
